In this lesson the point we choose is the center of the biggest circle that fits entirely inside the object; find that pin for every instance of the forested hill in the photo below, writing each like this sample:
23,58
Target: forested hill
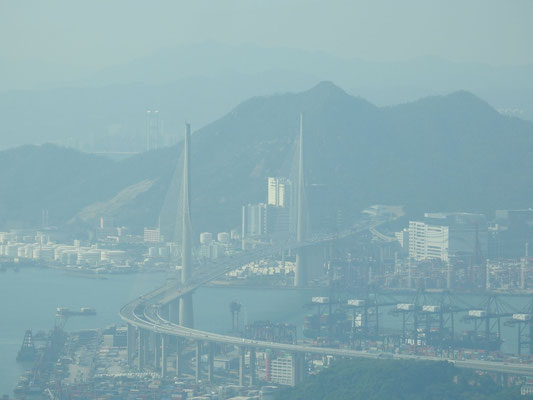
398,380
443,153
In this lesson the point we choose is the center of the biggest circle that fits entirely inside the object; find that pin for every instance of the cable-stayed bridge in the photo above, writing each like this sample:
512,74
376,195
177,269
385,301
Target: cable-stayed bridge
160,321
152,313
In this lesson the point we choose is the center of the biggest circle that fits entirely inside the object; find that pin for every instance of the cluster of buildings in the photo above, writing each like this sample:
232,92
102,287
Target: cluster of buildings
156,136
441,250
41,248
211,248
264,268
446,235
94,362
124,139
111,248
271,219
466,249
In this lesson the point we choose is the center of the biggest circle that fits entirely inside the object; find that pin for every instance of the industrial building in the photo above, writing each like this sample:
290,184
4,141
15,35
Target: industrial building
445,235
280,370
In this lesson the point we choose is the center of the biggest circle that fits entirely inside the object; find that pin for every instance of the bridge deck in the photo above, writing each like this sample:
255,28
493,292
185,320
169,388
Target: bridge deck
144,313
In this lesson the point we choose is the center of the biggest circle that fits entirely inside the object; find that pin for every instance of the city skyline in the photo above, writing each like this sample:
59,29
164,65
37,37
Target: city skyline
351,216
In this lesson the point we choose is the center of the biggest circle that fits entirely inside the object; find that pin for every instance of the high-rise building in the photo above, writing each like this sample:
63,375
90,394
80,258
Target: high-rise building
512,229
152,235
153,130
280,370
445,235
403,238
468,233
272,218
254,220
511,217
106,228
278,192
106,222
223,237
428,241
262,219
277,220
206,237
212,250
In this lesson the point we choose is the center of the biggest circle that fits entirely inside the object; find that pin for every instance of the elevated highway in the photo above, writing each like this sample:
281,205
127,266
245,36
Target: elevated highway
149,313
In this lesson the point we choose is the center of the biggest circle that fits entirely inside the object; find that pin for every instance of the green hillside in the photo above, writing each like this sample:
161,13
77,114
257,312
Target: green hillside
444,153
398,380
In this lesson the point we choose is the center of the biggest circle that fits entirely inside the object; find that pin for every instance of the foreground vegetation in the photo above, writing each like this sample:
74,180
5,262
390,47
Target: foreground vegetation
391,380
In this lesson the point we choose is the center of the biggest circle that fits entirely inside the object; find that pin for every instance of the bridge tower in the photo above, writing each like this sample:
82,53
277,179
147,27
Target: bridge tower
524,268
300,274
186,317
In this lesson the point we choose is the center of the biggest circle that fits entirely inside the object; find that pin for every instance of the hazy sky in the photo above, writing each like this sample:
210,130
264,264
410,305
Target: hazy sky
88,35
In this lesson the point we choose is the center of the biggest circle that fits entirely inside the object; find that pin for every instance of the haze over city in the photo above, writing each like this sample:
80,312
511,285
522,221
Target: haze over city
266,200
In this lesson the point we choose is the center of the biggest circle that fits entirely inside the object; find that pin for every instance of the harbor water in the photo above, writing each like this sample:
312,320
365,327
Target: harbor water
29,298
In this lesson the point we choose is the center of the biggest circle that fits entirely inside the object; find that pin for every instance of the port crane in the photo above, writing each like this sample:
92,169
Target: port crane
524,324
488,316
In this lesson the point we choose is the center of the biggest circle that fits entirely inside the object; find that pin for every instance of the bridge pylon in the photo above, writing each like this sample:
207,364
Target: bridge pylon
300,273
186,317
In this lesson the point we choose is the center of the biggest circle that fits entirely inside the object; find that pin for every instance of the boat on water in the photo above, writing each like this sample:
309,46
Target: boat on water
66,312
87,311
27,351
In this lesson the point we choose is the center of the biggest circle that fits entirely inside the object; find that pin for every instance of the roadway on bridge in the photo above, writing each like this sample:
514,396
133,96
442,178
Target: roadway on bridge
145,313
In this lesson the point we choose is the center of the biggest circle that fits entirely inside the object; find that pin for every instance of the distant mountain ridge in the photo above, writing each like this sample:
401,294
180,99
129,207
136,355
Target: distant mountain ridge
203,81
440,153
99,118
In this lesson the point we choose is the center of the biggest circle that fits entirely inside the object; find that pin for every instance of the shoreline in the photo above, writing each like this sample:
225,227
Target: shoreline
90,274
389,291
